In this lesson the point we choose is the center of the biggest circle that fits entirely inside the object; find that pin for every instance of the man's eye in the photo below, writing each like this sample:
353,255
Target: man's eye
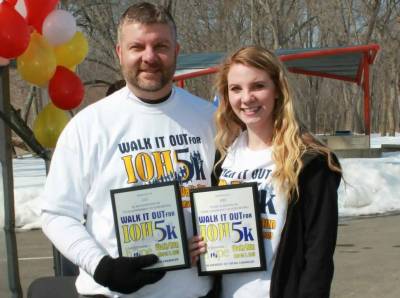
162,47
135,47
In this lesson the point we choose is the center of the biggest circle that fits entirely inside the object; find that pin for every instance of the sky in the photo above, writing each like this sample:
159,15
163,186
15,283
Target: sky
371,185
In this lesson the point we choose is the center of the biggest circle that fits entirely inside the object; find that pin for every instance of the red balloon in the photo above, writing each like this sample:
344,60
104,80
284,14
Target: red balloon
14,32
37,11
12,2
66,89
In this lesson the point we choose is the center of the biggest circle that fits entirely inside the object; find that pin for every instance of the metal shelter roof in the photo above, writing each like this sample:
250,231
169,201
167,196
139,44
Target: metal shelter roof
343,63
349,64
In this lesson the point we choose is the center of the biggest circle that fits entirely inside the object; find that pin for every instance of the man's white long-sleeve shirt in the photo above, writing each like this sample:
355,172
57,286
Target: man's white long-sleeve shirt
110,145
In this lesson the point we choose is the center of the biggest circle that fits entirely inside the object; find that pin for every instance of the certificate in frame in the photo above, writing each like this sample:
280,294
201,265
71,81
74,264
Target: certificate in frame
149,220
228,219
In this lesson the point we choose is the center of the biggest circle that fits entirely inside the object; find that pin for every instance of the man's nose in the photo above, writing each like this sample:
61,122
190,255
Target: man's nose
149,55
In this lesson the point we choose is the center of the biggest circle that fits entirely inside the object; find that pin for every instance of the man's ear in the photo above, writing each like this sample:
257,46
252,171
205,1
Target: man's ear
177,49
118,50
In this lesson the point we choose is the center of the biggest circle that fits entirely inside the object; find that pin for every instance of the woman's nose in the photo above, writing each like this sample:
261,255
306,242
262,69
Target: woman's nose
247,97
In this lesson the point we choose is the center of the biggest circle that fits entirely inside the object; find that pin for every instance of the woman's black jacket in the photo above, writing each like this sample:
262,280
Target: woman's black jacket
304,261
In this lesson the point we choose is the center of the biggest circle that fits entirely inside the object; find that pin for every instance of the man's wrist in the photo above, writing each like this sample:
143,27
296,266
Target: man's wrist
103,271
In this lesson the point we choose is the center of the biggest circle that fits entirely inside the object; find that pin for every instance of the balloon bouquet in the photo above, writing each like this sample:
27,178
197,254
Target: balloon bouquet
47,46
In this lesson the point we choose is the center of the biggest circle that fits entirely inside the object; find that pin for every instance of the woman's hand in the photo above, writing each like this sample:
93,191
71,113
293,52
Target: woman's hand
196,247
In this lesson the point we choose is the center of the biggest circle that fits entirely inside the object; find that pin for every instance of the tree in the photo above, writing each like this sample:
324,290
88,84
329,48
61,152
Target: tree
225,25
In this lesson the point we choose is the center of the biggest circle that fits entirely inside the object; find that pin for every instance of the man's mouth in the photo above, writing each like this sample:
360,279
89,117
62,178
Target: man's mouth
155,70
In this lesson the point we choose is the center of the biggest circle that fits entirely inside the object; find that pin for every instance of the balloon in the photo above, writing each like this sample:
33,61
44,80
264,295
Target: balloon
59,27
21,8
49,124
37,11
73,52
4,61
72,68
14,32
38,64
11,2
66,89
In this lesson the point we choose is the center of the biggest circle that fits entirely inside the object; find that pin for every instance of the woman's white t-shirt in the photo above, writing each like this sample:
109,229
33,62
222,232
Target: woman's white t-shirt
255,166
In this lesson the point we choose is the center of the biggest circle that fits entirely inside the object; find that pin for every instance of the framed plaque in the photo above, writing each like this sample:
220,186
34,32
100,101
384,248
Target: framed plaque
149,220
228,219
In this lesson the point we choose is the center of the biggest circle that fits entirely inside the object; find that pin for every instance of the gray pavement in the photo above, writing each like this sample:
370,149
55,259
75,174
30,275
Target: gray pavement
35,255
367,258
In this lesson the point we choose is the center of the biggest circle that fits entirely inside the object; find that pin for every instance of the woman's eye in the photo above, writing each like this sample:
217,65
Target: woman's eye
259,86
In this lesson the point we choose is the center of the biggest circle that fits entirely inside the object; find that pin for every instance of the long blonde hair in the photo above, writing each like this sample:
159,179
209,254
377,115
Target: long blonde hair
288,142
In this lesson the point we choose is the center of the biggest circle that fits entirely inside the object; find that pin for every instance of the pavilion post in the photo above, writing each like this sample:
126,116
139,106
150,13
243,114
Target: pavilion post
367,99
8,243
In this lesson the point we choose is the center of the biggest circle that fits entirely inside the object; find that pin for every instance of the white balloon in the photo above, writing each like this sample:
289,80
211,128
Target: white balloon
4,61
59,27
21,8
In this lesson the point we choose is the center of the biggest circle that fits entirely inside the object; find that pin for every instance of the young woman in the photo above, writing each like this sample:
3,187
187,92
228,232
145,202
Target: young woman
259,139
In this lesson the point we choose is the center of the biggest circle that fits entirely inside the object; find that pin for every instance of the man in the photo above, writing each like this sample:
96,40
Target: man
146,132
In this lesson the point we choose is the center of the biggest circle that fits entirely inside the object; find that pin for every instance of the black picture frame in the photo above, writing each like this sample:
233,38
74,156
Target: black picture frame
208,199
163,201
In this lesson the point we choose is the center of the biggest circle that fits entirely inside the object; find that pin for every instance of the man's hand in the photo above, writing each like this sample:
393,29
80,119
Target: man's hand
125,274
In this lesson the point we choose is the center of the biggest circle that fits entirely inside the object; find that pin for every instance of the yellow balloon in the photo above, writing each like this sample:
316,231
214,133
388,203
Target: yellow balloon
72,68
49,124
72,52
38,63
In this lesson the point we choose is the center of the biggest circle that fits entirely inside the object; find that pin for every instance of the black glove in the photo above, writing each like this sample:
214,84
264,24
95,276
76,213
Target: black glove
124,274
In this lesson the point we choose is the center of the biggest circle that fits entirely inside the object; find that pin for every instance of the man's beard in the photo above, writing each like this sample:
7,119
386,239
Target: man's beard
159,79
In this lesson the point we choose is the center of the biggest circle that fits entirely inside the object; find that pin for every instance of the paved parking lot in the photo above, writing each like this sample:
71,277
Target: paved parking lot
367,258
